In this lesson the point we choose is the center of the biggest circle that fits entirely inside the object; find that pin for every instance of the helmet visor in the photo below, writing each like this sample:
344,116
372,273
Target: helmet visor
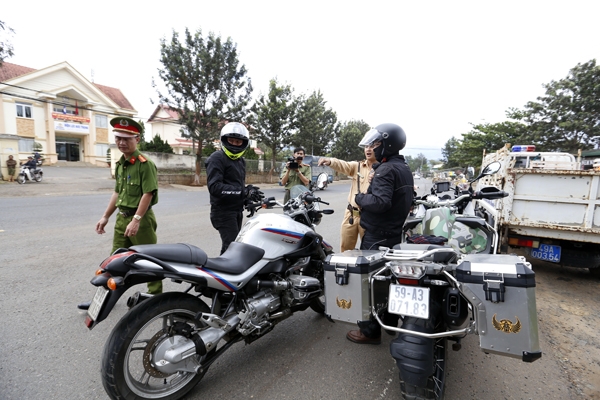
371,138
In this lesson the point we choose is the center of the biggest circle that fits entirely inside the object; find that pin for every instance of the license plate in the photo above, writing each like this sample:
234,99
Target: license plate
412,301
547,252
97,302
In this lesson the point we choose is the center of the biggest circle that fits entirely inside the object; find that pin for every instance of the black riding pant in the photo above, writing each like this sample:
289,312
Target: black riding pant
371,241
228,223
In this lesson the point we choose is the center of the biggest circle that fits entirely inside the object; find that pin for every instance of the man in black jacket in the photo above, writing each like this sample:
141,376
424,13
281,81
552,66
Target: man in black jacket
226,176
385,206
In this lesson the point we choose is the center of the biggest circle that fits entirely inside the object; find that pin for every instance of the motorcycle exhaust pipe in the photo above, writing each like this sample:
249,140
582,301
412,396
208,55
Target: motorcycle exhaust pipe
137,298
204,341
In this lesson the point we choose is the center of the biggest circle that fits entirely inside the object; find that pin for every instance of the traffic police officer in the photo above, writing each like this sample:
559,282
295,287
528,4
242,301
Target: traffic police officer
136,191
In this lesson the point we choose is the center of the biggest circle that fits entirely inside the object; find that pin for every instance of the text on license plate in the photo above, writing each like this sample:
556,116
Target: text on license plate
546,252
97,302
410,301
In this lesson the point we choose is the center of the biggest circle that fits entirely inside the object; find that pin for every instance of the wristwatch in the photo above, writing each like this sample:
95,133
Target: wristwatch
137,217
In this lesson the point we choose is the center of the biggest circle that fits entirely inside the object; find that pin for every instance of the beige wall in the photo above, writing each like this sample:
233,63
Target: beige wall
9,145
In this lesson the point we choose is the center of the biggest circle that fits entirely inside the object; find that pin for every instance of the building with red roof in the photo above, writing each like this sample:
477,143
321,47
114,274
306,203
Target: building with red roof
60,110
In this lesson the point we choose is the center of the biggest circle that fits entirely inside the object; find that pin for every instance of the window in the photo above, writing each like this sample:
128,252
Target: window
23,110
25,145
101,149
101,121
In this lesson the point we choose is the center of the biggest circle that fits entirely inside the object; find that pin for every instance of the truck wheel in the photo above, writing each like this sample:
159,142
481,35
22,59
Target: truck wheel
595,272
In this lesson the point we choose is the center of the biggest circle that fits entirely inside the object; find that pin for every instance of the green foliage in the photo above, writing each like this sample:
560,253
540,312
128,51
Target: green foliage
273,118
316,125
250,154
6,47
208,149
483,137
345,146
417,164
157,145
567,118
205,83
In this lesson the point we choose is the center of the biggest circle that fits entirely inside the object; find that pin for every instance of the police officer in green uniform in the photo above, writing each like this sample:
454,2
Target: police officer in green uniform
136,191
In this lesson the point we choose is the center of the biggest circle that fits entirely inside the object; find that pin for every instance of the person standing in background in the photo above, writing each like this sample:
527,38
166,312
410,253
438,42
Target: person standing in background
359,171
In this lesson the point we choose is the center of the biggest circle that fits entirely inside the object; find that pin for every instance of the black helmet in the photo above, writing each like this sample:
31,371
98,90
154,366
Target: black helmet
391,137
234,130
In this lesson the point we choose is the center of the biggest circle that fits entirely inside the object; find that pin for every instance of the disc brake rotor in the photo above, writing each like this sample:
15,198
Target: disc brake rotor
152,345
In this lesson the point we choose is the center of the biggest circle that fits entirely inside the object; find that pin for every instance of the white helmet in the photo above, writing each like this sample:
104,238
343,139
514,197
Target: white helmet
234,130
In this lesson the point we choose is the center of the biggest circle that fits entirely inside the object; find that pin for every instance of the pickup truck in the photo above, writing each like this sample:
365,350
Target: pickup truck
552,211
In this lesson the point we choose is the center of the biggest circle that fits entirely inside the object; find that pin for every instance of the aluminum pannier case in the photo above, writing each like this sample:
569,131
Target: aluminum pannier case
501,289
347,296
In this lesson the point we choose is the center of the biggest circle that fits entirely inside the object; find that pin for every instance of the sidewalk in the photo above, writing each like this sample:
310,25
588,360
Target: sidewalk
75,181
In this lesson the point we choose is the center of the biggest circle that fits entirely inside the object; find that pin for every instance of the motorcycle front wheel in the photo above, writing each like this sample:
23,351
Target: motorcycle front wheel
21,179
137,342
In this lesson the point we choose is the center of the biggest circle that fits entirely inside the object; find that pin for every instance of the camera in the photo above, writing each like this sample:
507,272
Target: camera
293,163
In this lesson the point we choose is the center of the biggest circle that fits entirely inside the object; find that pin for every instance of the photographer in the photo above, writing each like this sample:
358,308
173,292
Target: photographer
295,173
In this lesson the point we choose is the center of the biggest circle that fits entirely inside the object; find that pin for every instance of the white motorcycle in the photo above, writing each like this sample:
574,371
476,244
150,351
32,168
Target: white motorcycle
165,344
37,175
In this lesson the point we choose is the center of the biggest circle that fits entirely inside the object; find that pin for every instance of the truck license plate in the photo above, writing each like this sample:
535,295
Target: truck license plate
412,301
546,252
97,302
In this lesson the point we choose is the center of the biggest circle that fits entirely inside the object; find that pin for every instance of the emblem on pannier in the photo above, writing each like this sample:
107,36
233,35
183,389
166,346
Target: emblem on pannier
345,304
506,325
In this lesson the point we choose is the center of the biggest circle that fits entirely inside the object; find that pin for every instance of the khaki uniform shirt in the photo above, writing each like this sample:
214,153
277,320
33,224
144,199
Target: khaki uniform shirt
351,170
134,177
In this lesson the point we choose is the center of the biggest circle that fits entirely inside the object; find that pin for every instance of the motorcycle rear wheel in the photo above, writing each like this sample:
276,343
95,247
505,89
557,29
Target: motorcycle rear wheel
38,177
21,179
436,382
128,369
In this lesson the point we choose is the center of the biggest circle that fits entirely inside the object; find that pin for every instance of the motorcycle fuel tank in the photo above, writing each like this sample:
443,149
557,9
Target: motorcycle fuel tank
277,234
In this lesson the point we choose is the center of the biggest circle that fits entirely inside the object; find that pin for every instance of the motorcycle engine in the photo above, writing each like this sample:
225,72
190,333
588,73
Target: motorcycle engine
303,289
257,315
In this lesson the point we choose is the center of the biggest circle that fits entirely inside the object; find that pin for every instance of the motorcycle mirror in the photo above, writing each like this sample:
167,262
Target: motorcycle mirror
489,169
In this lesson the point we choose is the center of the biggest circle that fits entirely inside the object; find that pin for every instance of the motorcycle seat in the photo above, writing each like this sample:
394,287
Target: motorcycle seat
237,258
180,252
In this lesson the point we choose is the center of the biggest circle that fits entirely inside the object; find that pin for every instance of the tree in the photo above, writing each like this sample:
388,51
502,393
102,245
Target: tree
205,83
157,145
316,125
567,118
350,134
483,137
6,48
417,164
273,118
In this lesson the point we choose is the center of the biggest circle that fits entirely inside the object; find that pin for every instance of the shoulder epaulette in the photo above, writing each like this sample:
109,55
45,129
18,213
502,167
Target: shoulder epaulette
142,158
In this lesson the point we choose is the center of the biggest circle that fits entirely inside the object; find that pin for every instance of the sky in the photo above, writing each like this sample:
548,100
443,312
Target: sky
432,67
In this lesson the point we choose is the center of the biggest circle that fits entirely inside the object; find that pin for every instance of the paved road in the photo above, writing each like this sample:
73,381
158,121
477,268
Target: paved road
49,250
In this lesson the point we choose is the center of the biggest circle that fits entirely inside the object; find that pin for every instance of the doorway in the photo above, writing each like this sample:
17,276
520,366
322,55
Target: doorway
67,149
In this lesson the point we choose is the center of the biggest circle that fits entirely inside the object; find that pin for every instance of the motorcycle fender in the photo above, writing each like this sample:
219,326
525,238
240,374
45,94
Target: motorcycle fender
111,299
414,354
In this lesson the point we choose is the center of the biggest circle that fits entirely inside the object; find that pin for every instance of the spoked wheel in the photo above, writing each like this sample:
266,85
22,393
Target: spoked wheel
436,382
21,179
133,365
38,177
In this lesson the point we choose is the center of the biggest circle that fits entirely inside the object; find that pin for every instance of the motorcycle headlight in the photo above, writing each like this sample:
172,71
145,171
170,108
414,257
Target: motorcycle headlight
403,269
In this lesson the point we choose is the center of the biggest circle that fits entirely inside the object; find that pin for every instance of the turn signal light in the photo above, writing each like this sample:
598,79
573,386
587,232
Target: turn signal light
99,271
114,282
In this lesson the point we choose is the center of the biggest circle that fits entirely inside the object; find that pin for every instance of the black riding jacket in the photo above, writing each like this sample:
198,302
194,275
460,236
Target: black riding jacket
226,181
385,206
